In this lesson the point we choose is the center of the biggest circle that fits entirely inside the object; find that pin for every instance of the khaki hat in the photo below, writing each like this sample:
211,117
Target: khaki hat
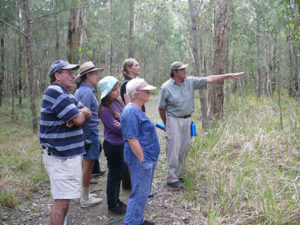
177,66
87,67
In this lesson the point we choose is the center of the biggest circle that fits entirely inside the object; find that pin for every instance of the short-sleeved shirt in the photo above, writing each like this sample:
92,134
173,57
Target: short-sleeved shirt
58,107
112,134
135,124
85,94
123,90
179,100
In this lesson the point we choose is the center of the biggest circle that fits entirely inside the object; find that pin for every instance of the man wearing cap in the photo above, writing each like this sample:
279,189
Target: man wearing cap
61,137
176,105
87,81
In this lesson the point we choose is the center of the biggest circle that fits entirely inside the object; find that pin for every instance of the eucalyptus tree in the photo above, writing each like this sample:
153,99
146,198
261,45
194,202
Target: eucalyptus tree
220,57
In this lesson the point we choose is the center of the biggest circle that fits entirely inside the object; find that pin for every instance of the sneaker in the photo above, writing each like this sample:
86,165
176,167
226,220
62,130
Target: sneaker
90,195
93,180
90,202
120,208
175,185
146,222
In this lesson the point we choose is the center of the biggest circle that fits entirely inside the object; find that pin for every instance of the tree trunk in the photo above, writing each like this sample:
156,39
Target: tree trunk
2,67
75,31
198,66
20,64
111,39
233,84
131,49
219,57
257,59
28,43
56,32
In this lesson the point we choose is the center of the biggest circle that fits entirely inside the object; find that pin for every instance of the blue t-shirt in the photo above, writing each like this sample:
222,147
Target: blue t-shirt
85,94
58,107
135,124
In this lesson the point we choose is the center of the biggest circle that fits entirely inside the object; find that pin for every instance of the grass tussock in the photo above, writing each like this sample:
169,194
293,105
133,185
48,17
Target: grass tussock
21,171
246,168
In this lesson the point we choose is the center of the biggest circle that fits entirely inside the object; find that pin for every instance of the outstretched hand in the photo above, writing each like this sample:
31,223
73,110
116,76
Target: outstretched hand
235,76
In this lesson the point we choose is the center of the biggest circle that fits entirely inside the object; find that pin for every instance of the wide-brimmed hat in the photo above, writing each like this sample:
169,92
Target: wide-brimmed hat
177,66
106,84
86,68
62,65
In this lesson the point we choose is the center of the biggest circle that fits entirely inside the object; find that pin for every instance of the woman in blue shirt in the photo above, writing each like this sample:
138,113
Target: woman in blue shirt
141,149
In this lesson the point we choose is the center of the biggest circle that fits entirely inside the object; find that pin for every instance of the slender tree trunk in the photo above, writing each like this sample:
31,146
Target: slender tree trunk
131,49
2,67
20,64
111,39
234,84
28,43
56,31
198,66
257,59
75,31
219,57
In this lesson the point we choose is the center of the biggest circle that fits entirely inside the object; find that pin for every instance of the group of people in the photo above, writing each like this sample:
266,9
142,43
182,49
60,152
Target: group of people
69,134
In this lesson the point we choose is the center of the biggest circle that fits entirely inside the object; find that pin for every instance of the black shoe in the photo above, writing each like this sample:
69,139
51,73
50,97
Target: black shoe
146,222
100,174
120,208
175,185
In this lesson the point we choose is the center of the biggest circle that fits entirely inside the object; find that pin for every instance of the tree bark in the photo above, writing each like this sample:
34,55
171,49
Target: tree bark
198,65
32,83
257,59
219,57
131,49
20,64
75,31
56,32
2,67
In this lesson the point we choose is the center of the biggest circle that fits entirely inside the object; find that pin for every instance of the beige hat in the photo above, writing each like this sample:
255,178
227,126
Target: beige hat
86,68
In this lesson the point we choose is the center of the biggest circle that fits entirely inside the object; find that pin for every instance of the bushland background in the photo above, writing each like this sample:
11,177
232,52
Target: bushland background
243,167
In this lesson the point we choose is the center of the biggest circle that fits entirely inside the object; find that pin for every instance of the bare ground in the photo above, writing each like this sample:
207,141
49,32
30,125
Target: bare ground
166,207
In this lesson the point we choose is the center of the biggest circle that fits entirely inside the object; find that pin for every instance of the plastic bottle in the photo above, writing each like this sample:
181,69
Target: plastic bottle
193,129
160,126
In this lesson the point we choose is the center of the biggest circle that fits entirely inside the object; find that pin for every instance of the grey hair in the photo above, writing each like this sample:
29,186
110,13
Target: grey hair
132,85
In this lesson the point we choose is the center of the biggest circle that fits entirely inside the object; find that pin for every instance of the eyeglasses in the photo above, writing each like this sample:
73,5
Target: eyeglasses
148,92
70,73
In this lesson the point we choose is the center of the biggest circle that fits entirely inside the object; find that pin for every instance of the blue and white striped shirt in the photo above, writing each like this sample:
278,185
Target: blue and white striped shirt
58,107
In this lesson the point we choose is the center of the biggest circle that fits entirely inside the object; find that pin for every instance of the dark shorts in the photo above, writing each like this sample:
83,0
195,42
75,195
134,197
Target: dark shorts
93,152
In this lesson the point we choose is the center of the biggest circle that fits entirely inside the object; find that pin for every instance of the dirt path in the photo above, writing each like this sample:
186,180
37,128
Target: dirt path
167,206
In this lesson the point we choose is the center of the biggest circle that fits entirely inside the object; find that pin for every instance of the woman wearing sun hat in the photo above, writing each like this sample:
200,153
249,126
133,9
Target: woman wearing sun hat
86,83
110,109
141,149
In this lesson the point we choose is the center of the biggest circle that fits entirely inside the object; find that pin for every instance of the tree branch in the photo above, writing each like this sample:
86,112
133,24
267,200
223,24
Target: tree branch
47,15
15,28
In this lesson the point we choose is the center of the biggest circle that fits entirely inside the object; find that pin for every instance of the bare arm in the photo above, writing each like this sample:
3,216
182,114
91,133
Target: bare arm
162,114
216,78
136,148
85,114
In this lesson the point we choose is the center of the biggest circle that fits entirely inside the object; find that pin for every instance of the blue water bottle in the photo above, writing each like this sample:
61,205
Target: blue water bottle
160,126
193,129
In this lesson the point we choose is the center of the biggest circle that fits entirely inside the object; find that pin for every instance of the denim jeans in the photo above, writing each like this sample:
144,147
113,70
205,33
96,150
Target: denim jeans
141,180
116,165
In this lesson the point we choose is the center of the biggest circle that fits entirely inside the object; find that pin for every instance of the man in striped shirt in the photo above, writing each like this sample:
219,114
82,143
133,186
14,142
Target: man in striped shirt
61,137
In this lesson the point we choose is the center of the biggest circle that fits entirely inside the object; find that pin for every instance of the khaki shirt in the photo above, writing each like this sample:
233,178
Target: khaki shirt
179,100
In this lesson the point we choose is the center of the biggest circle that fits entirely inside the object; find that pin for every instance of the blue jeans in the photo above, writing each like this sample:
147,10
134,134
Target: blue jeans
95,146
141,180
